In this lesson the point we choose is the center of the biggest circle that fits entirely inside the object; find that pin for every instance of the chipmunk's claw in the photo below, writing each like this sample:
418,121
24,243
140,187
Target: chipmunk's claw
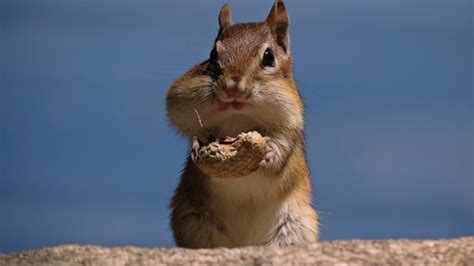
196,145
269,156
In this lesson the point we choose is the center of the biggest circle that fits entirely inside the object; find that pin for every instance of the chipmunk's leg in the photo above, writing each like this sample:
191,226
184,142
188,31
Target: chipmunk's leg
192,221
294,228
194,226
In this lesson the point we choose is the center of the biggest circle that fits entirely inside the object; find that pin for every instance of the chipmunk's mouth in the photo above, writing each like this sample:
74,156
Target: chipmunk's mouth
235,104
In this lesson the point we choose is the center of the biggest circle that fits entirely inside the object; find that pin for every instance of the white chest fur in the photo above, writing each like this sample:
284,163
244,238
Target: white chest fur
247,208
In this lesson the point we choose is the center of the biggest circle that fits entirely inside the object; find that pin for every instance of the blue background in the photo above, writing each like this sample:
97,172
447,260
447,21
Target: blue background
86,154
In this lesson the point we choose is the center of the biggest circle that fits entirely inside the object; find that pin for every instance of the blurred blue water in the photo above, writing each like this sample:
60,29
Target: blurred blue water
86,155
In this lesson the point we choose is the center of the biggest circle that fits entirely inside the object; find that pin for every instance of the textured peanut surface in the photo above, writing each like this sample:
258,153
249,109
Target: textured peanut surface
232,157
458,251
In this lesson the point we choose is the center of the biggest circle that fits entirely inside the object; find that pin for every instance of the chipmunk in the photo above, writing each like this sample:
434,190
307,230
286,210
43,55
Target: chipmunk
246,84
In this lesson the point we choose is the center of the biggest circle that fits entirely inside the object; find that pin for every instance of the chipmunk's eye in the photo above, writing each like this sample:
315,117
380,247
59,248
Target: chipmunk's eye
268,59
213,67
213,56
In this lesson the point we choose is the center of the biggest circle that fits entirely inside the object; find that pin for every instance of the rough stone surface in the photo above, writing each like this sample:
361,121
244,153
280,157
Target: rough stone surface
458,251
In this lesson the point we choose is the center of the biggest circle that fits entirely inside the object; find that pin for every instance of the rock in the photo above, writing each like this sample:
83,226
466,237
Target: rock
458,251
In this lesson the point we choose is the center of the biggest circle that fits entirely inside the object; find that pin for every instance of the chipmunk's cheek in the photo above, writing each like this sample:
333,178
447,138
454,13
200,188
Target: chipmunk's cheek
220,105
255,94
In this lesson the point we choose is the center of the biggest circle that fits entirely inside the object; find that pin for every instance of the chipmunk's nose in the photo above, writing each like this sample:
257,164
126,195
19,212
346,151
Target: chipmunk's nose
235,87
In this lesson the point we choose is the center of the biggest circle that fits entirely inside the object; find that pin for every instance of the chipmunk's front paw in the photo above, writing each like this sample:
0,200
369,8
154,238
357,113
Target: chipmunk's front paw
270,153
196,145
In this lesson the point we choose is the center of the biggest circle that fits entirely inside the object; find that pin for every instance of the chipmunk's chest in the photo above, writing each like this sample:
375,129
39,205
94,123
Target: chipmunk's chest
255,187
247,208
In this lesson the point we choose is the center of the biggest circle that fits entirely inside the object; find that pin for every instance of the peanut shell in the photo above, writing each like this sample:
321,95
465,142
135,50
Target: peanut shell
232,157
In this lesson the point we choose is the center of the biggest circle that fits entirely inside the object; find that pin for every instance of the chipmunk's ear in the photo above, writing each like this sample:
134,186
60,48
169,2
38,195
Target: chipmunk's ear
225,18
278,21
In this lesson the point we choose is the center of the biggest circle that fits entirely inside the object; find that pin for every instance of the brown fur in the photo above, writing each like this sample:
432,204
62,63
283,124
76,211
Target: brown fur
272,206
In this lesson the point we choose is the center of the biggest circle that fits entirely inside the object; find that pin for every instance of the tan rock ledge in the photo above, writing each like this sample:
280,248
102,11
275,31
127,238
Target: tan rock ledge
458,251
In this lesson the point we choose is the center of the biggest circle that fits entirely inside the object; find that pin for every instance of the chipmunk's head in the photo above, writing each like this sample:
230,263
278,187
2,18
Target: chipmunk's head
245,84
251,62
